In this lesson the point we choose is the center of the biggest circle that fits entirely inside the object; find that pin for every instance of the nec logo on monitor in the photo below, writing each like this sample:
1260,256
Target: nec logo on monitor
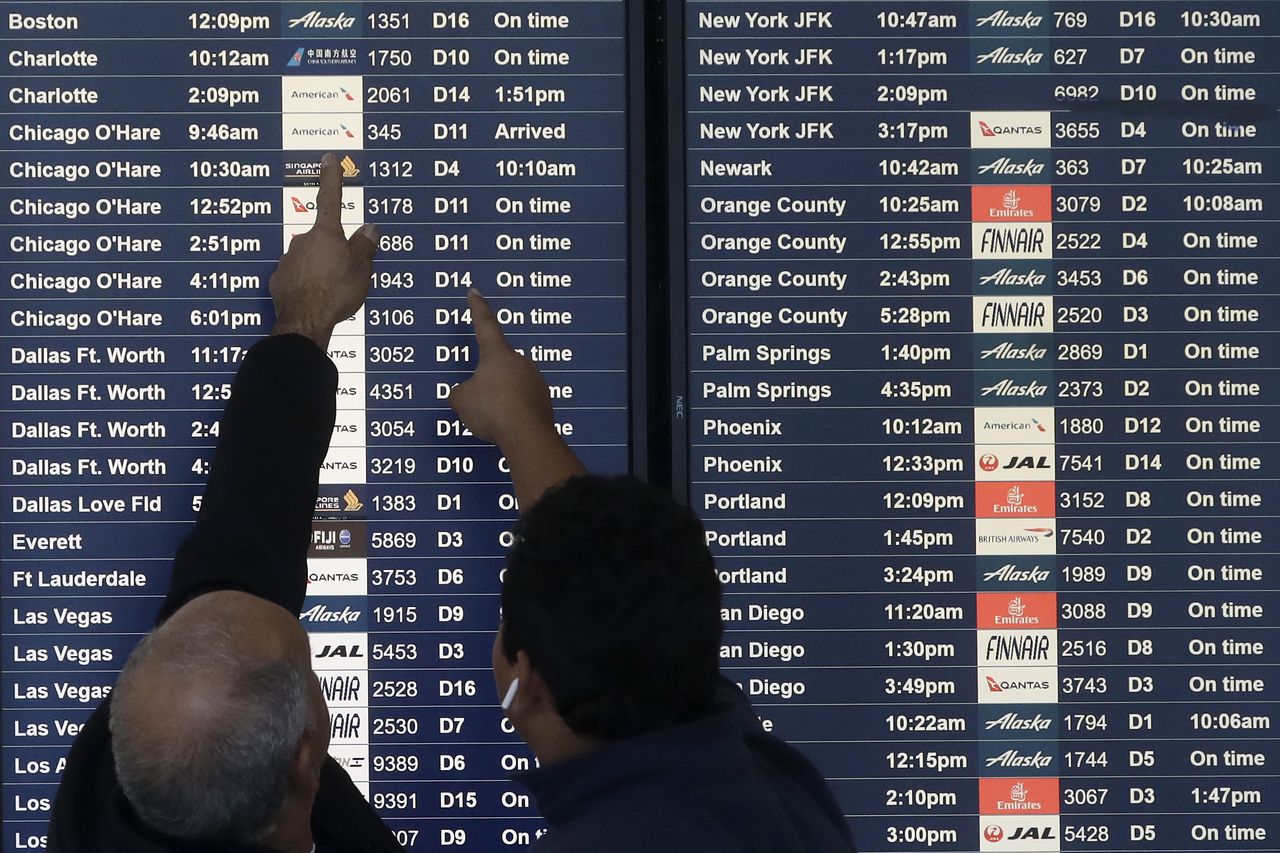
321,19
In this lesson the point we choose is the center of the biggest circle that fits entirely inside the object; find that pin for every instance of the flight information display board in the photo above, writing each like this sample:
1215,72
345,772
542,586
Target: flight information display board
981,406
159,157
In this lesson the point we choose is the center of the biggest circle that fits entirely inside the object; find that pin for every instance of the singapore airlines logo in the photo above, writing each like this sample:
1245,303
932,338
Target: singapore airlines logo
349,167
352,501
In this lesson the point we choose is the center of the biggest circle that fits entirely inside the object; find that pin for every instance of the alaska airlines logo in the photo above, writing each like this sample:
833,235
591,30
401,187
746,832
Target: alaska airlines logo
1002,55
1006,351
1012,759
1003,18
1006,165
1012,722
321,613
315,19
1010,573
1005,277
1009,388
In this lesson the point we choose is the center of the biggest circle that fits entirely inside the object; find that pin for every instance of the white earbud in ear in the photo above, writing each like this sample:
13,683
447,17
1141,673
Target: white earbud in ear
511,694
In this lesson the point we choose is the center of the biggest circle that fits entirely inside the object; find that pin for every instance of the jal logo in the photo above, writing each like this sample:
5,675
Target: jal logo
1035,463
1041,833
351,651
993,833
989,462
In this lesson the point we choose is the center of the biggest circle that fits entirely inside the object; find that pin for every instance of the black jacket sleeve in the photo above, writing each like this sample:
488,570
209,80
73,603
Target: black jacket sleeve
255,520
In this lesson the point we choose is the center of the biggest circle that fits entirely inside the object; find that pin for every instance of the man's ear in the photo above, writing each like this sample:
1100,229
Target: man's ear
304,772
533,695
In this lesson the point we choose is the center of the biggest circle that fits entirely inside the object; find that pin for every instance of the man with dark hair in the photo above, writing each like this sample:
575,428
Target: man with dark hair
607,657
216,736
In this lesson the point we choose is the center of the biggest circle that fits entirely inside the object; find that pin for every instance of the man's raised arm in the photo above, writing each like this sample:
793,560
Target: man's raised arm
257,506
507,402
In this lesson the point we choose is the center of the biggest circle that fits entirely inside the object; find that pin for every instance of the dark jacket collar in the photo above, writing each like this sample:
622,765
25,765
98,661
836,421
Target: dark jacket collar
705,750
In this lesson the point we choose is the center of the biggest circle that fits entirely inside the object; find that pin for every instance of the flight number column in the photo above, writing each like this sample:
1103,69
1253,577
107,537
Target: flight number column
495,139
1164,324
830,370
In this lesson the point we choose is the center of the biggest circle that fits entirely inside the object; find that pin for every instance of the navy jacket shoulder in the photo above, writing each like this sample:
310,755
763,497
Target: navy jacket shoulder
720,784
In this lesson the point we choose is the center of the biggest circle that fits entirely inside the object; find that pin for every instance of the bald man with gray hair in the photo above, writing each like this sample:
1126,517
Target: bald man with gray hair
215,738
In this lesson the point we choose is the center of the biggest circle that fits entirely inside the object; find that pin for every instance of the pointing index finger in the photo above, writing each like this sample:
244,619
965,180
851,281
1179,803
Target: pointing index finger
329,198
489,337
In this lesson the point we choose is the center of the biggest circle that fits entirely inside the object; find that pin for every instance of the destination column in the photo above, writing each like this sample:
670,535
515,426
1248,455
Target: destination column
127,305
830,374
